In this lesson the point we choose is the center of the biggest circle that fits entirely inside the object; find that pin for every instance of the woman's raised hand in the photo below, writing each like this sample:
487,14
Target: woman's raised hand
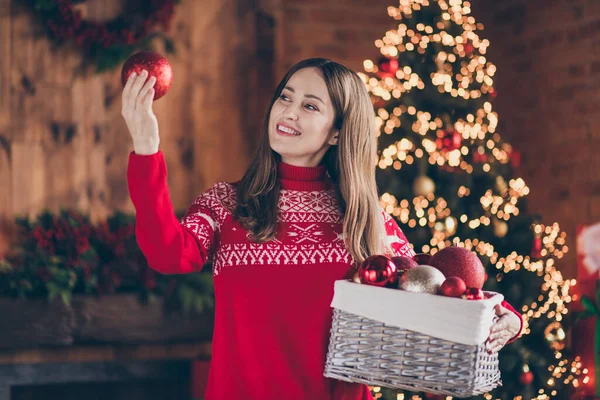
136,109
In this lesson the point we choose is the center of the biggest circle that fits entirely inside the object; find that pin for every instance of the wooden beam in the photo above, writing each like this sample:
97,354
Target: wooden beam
107,353
5,115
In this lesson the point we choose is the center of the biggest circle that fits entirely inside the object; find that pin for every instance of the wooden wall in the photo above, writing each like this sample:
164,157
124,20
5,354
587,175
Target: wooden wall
548,84
63,142
342,30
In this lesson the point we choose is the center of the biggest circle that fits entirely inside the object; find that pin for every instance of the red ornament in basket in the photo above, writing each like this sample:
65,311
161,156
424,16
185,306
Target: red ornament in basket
453,286
378,270
404,263
462,263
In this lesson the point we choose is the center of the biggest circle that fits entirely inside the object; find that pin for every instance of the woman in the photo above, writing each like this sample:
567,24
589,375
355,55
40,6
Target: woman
306,209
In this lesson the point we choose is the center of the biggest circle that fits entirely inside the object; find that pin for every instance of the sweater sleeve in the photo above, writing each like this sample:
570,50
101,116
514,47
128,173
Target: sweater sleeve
506,305
396,238
169,246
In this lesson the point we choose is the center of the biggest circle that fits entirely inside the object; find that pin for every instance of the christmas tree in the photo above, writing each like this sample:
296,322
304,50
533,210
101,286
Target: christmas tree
448,177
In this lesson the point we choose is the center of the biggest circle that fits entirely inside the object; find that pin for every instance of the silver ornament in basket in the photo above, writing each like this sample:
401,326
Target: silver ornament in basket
415,341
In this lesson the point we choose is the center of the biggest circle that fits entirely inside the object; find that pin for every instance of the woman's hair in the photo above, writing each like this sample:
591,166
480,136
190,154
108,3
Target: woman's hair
350,164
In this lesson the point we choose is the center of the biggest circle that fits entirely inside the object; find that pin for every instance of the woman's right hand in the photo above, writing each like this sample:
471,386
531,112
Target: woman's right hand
136,109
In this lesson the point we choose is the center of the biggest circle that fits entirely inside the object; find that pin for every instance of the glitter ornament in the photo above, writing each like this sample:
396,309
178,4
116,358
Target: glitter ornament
461,262
422,279
156,65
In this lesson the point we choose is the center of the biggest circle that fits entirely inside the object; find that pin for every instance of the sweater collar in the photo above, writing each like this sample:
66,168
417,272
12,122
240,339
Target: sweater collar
293,177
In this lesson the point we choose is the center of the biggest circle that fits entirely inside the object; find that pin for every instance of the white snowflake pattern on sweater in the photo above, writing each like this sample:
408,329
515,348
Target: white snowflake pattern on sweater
310,230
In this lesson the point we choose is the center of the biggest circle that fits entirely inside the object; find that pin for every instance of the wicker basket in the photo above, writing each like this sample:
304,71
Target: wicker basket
372,352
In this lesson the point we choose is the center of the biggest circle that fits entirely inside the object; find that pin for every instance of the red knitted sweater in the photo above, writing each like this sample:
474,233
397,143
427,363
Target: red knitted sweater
273,315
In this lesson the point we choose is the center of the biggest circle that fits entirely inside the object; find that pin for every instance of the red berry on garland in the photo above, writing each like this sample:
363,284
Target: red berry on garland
422,258
453,286
387,67
526,378
473,294
461,262
378,271
155,64
449,140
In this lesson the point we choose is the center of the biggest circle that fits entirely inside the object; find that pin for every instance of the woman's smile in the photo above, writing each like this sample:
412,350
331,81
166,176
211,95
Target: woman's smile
286,130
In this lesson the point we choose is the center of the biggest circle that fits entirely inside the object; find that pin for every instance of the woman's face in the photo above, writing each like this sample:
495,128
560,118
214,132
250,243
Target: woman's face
301,120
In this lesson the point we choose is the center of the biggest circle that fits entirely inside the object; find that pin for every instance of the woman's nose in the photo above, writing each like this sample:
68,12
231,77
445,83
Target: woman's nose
291,112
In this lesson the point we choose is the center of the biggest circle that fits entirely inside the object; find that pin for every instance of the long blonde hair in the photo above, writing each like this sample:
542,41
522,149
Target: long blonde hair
350,164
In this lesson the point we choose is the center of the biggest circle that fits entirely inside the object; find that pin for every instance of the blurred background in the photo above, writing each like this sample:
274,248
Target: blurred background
83,316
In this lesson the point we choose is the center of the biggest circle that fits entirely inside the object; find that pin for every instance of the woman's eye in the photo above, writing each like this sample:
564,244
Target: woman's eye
283,97
311,107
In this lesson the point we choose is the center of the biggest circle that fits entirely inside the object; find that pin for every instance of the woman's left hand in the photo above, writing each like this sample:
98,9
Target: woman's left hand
504,329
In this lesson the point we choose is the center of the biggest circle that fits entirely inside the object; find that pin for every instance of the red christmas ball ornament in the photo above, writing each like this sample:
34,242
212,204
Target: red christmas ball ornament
453,286
431,396
422,258
404,263
378,271
473,294
387,67
536,248
458,261
449,140
469,48
155,64
479,156
379,103
515,159
526,378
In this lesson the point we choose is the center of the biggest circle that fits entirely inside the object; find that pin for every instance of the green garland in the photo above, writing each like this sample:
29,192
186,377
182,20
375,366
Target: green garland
59,255
105,45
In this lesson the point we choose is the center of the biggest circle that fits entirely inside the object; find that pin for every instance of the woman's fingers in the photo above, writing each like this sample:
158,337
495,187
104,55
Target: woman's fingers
148,98
144,91
493,347
125,102
137,87
496,341
499,327
501,310
496,335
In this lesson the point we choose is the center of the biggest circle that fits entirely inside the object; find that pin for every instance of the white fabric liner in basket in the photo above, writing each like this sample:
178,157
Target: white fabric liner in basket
454,319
